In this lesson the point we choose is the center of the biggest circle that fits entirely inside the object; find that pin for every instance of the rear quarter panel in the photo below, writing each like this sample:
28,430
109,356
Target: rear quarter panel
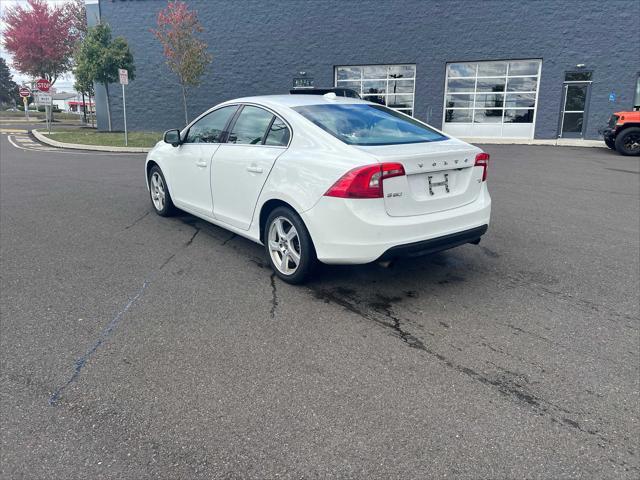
313,162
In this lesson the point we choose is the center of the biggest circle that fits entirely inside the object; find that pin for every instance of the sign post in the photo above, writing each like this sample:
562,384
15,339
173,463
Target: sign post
124,80
25,93
43,85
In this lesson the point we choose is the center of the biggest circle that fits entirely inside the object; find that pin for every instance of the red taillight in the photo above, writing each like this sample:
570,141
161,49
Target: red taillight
365,182
482,160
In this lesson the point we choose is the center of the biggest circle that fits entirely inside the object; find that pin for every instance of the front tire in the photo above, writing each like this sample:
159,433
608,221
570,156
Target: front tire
159,193
289,246
628,141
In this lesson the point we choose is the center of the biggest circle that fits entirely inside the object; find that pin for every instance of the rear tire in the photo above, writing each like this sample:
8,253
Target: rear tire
628,142
609,142
159,193
289,246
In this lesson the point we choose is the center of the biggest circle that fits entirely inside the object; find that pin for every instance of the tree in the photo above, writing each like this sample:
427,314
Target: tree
186,55
8,88
40,38
99,57
76,12
84,85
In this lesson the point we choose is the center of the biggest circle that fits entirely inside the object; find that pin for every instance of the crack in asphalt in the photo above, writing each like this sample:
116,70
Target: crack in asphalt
137,220
274,295
81,362
509,384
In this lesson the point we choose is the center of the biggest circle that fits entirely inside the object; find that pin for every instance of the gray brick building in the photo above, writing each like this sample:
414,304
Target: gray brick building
543,69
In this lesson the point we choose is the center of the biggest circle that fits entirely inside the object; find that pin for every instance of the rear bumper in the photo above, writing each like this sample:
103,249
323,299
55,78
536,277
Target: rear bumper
427,247
359,231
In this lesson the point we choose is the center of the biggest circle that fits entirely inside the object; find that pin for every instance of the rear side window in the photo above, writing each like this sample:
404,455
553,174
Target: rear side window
278,134
250,126
209,129
367,124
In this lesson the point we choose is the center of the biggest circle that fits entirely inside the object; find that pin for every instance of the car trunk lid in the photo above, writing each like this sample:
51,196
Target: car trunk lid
439,176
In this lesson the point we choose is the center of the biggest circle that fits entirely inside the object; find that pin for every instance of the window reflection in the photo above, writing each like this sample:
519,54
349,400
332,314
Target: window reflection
518,116
461,70
490,85
457,85
490,100
492,69
389,85
209,128
458,116
278,134
492,92
250,126
522,84
487,116
524,67
459,101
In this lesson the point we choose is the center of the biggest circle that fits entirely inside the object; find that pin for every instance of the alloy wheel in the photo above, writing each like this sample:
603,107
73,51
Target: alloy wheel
284,245
157,191
632,142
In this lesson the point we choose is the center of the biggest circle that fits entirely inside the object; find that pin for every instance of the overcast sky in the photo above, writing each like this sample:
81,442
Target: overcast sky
64,83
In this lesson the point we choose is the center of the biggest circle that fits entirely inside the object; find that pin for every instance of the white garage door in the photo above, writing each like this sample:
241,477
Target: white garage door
491,99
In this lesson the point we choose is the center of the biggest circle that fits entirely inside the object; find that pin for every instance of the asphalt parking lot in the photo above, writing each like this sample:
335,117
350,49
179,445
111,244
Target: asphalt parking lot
134,346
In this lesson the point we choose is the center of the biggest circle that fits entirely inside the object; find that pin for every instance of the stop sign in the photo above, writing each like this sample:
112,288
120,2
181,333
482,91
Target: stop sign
43,85
24,92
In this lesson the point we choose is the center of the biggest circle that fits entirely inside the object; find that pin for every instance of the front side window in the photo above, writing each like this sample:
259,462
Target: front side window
366,124
250,127
209,129
390,85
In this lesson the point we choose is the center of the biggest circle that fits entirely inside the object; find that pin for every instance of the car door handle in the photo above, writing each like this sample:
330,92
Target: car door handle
201,164
254,169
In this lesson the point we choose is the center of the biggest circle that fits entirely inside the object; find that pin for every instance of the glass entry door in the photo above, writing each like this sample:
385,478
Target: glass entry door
573,110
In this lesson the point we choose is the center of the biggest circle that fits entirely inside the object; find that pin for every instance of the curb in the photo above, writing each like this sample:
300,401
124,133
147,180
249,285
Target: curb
558,142
78,146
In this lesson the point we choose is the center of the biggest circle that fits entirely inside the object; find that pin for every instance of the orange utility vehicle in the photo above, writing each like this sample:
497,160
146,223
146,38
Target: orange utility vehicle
623,133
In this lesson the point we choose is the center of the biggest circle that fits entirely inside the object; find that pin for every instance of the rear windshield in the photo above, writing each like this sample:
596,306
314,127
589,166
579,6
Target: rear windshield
365,124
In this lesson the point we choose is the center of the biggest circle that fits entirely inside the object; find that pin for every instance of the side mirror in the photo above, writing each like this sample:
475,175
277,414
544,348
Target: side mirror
172,137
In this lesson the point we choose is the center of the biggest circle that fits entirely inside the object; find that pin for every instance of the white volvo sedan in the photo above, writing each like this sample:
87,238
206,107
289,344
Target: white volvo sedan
323,178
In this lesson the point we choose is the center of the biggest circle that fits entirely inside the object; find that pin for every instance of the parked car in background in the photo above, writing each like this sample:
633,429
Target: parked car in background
623,133
323,178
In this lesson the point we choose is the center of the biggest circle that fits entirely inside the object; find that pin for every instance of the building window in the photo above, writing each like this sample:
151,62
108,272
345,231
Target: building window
390,85
491,99
577,76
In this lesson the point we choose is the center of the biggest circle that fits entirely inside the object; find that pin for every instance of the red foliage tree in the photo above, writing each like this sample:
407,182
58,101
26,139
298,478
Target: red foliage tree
40,38
186,54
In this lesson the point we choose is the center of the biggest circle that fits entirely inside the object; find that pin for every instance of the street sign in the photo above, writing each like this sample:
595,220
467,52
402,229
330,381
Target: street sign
24,92
43,98
43,85
124,76
124,80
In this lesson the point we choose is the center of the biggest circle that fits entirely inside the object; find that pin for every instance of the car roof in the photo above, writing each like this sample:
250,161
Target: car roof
296,100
